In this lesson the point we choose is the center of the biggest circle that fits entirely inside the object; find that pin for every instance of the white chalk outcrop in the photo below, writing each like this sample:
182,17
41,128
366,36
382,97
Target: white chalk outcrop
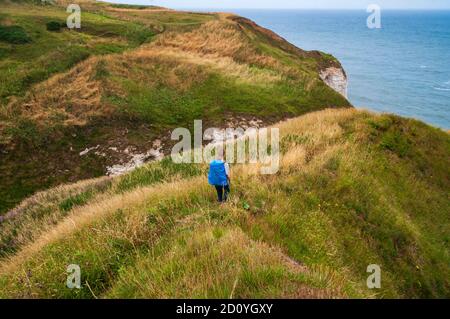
336,79
136,161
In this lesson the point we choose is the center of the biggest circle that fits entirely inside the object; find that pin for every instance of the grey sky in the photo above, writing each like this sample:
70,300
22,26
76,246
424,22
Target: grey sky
314,4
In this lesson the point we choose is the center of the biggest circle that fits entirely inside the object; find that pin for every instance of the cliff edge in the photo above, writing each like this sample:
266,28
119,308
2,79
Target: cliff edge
104,98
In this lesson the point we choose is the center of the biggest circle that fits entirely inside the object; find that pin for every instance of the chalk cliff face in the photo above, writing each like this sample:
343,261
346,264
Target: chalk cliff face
336,79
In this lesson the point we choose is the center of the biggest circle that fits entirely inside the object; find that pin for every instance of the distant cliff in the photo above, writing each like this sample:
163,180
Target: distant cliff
336,78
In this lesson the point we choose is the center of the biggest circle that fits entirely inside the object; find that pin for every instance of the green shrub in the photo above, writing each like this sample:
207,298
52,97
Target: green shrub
13,34
54,26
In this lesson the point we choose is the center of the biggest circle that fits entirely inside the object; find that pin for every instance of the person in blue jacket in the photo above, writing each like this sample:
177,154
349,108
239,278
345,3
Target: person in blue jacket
219,177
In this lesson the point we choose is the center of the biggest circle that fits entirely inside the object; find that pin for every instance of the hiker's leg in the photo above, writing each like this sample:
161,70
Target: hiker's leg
227,191
219,190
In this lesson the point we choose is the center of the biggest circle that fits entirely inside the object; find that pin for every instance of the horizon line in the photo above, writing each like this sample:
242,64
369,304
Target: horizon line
311,9
129,2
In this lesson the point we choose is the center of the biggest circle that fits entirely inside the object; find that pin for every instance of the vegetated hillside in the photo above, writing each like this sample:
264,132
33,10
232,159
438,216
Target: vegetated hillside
353,189
127,78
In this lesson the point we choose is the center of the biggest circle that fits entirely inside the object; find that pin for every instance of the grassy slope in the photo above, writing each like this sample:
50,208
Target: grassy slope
68,90
354,189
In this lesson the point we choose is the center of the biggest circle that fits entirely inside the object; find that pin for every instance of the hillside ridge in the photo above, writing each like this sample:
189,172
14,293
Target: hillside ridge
354,188
340,202
119,85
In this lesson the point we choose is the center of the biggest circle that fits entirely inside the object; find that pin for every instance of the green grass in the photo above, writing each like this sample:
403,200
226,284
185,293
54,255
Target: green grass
147,98
354,188
157,173
216,97
35,215
310,230
199,256
41,54
73,201
49,52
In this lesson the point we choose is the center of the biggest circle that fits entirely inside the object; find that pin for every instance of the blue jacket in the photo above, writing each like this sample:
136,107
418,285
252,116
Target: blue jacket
217,175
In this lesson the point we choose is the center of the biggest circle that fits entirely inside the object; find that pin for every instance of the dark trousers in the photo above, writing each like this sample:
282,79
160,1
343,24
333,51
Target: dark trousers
222,192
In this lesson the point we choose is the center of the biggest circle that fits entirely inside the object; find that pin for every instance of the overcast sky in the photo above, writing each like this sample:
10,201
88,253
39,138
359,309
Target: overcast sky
310,4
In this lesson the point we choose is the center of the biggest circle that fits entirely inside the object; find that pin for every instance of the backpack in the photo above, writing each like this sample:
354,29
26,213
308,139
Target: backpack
217,175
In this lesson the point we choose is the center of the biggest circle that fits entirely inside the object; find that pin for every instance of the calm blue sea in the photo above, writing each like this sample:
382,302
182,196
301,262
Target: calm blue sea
402,68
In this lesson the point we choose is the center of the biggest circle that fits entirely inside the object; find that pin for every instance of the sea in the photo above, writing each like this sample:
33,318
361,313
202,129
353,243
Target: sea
402,67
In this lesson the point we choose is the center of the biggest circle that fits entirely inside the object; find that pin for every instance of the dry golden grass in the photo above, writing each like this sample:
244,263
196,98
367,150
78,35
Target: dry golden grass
86,215
40,212
74,96
224,38
186,223
214,266
225,65
270,223
322,124
214,37
105,205
152,68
